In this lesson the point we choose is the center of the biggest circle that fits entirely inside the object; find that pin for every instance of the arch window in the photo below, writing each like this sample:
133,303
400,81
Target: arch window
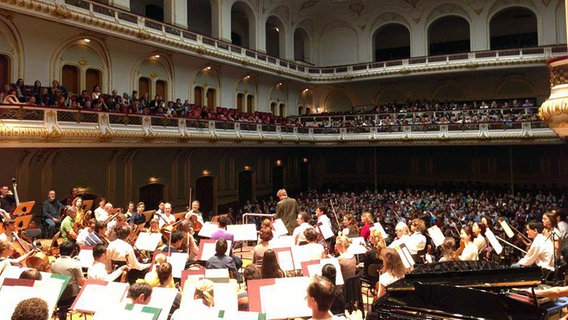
282,110
242,25
448,35
211,97
391,42
144,86
198,93
250,103
70,78
199,16
513,28
274,37
273,108
4,69
301,45
240,101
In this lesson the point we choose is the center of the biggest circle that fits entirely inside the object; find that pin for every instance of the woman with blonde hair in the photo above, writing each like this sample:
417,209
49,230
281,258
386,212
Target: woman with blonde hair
202,306
448,250
393,270
367,220
347,261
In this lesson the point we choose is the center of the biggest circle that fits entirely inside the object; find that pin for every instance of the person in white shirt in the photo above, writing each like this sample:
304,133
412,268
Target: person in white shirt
417,241
167,218
315,250
100,212
195,212
393,270
402,235
98,270
298,234
122,252
541,249
8,234
478,229
470,249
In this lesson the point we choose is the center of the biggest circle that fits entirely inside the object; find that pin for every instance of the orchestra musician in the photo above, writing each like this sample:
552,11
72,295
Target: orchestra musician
72,196
67,231
402,235
138,217
6,253
84,232
7,199
351,230
188,242
447,248
298,234
167,218
97,236
195,211
393,270
347,261
417,241
67,266
98,270
541,250
323,219
116,223
174,243
222,233
130,211
367,220
8,234
100,213
51,213
469,248
120,252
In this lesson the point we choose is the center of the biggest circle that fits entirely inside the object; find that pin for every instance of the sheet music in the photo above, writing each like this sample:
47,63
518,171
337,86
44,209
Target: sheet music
325,230
405,256
493,241
243,232
217,275
163,298
177,260
208,229
357,246
284,258
95,296
294,289
207,249
507,229
279,228
314,269
11,272
148,241
436,235
305,253
379,227
12,295
282,242
85,257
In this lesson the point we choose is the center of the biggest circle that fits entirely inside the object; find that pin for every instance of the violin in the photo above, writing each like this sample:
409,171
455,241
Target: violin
195,224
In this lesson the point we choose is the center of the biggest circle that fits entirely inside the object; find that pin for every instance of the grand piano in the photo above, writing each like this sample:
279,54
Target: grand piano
466,290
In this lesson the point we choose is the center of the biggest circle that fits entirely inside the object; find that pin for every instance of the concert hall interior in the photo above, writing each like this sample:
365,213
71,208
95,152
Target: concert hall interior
445,121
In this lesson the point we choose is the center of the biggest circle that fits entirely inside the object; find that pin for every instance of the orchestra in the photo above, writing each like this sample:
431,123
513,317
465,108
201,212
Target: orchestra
114,235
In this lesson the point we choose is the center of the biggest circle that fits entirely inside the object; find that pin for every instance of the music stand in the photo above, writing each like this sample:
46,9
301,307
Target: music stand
87,205
22,222
149,214
24,208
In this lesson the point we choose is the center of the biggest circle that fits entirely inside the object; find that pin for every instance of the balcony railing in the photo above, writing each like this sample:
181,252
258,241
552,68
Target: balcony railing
23,124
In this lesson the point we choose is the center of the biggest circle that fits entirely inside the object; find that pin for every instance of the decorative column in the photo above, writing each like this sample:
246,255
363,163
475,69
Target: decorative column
175,12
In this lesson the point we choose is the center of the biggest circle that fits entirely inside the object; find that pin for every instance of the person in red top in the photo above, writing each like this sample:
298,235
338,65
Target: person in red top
367,220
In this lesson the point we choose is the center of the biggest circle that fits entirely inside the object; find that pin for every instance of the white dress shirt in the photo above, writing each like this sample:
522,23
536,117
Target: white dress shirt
119,250
98,272
540,253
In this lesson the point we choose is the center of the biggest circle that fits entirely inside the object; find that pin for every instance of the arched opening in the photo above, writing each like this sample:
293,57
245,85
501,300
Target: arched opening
274,37
242,28
391,42
273,108
447,35
204,192
513,28
301,45
337,101
240,101
245,186
70,78
277,178
199,16
4,69
144,87
282,110
92,79
162,89
198,96
151,195
250,103
211,93
155,11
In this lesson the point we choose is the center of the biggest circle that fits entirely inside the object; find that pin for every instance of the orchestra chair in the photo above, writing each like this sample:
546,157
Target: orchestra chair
370,279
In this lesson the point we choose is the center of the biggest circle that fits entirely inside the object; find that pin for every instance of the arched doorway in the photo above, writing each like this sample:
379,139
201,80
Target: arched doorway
245,186
204,192
151,195
4,69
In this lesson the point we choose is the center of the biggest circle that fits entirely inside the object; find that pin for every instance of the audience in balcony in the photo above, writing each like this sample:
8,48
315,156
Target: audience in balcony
388,117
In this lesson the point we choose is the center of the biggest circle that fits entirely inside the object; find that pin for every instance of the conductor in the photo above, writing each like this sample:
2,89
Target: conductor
287,209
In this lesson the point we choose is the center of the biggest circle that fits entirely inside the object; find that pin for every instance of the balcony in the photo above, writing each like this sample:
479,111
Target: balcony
117,22
30,126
